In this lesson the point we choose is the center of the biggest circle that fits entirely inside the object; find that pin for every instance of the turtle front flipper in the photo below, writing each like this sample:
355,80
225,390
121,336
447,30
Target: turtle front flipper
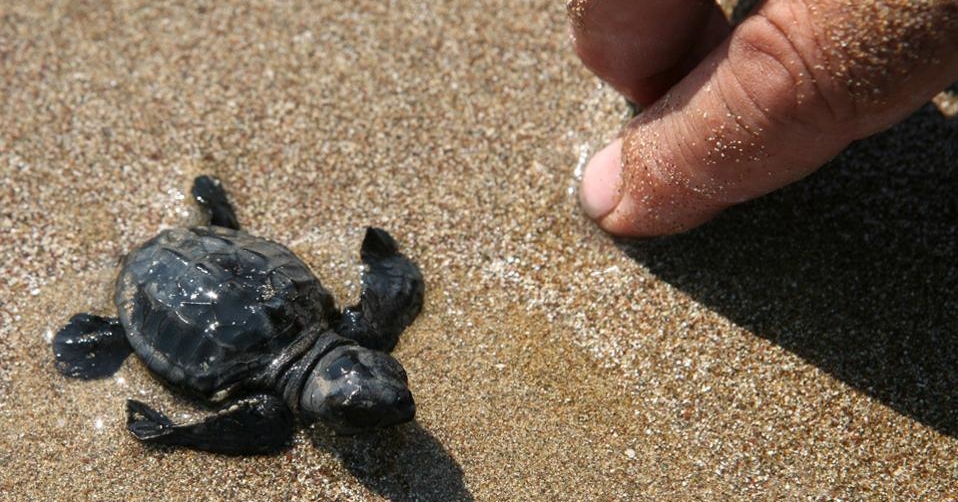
90,347
257,424
391,298
209,193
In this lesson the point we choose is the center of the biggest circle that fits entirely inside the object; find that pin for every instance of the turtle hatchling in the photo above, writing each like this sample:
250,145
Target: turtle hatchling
242,324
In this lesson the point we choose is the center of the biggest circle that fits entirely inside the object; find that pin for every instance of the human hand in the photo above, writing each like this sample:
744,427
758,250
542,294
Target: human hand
732,115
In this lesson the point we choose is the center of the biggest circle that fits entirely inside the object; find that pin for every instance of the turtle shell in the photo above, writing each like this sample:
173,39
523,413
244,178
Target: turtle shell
209,308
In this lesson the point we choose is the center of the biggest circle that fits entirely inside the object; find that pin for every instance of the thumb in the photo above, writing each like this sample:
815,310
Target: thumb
792,86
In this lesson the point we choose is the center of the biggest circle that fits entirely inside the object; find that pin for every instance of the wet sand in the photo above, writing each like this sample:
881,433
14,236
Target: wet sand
799,347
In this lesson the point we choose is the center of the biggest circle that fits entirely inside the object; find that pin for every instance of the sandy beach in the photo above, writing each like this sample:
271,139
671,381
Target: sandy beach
800,347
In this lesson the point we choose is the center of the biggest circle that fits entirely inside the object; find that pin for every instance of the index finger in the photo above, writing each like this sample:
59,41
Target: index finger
643,47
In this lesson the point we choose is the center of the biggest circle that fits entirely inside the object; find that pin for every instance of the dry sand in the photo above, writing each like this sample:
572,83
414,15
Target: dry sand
800,347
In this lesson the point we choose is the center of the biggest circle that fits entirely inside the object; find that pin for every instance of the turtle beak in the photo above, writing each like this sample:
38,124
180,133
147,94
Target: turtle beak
350,415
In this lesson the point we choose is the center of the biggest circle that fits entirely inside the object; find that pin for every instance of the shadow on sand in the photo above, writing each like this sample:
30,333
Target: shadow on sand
855,268
404,463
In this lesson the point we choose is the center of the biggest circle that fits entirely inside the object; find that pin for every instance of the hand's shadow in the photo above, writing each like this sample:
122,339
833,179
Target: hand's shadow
855,269
403,463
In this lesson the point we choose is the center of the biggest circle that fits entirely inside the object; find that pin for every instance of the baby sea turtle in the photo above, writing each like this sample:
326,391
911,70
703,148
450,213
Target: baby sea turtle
239,321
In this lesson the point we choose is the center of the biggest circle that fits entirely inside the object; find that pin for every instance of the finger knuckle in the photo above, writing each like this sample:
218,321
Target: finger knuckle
783,70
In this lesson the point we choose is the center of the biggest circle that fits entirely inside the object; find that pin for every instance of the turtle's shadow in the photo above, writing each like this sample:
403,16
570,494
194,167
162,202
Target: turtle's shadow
854,269
404,463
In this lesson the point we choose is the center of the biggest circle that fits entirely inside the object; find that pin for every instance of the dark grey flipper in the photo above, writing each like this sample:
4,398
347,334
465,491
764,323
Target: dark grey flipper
257,424
209,193
90,347
391,298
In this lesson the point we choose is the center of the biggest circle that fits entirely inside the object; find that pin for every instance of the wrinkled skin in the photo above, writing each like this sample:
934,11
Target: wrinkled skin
730,114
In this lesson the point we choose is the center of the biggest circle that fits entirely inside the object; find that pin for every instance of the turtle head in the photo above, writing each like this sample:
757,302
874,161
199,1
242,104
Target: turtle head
353,389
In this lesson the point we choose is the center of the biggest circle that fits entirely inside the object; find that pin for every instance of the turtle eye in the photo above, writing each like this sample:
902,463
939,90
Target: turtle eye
347,365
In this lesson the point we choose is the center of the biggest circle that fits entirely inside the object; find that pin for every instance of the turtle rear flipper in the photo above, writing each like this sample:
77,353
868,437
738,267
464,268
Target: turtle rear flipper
391,298
90,347
145,423
257,424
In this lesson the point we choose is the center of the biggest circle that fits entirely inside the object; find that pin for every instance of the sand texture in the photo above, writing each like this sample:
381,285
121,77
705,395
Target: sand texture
800,347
